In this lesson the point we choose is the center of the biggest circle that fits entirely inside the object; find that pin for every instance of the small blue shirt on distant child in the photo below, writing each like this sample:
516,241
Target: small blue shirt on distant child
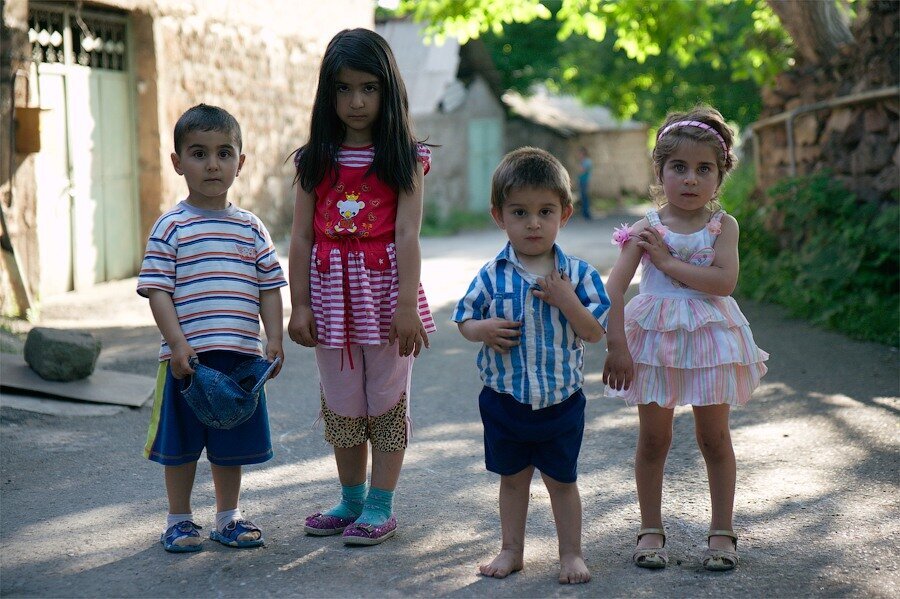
546,367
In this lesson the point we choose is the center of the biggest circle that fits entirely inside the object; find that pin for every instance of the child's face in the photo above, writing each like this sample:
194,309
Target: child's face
690,176
209,162
357,103
532,218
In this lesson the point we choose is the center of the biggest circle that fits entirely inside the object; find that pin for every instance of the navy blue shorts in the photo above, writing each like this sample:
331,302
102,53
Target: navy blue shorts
176,437
517,436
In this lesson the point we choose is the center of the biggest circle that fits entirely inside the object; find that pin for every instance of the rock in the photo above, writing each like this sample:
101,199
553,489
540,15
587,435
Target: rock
61,355
839,120
872,154
876,119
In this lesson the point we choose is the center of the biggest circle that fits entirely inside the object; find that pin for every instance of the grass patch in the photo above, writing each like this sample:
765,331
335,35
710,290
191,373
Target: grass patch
457,220
12,336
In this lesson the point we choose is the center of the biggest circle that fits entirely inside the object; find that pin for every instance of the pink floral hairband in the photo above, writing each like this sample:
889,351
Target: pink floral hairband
699,125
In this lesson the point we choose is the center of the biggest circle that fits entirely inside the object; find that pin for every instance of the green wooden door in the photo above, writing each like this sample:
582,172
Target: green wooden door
53,188
102,142
485,150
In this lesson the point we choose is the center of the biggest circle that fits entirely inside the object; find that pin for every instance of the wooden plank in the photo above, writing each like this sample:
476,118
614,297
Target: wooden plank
103,386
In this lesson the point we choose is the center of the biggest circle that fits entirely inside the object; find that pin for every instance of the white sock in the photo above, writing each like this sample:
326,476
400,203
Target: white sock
225,518
173,519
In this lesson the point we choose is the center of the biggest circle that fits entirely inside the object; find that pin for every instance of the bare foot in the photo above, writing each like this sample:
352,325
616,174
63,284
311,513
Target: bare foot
720,542
650,541
253,535
506,562
573,570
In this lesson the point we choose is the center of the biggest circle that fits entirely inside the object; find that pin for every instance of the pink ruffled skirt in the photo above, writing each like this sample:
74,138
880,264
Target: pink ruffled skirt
690,351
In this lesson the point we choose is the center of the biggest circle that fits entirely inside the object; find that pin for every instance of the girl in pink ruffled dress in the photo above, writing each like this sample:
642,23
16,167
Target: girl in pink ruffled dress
683,340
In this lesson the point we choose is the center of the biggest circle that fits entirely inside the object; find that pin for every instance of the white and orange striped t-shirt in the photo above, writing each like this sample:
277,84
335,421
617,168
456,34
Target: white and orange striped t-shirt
214,263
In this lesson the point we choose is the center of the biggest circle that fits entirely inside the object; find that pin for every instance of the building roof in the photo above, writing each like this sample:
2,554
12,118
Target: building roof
565,114
437,74
429,70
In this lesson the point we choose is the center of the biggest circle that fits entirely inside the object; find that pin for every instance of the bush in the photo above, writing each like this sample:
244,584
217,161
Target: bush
457,220
820,252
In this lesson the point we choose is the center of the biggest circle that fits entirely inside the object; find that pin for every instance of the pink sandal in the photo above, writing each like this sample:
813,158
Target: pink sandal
322,525
368,534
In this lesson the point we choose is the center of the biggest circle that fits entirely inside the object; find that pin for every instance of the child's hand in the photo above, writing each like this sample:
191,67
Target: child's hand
499,334
556,289
302,326
275,350
618,371
650,240
179,363
407,329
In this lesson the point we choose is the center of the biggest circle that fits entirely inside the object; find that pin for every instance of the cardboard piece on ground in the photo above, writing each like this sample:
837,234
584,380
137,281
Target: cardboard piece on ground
57,406
103,386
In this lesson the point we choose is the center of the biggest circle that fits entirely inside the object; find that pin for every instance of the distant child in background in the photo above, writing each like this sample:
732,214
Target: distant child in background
532,308
683,340
355,287
210,272
586,167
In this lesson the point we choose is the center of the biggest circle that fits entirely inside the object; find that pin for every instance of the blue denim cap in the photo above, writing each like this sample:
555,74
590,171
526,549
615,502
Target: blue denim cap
225,400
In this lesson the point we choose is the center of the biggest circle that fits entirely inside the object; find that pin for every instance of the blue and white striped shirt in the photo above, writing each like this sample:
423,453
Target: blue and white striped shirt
546,367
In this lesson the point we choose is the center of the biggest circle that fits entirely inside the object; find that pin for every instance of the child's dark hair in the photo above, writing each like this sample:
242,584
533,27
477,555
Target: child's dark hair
392,133
703,124
530,167
204,117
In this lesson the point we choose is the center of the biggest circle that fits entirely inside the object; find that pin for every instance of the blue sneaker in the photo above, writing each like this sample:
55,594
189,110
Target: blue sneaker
182,537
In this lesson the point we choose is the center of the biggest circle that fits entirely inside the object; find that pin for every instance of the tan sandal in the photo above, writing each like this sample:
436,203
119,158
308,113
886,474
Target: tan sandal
719,560
654,557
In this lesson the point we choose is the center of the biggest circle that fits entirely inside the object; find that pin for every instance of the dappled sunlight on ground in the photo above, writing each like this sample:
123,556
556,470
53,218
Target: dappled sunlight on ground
473,429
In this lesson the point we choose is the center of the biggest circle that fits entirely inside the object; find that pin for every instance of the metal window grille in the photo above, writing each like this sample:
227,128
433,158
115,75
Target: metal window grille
90,39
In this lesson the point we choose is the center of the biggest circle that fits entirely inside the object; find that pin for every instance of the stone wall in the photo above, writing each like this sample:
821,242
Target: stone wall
858,141
258,59
621,162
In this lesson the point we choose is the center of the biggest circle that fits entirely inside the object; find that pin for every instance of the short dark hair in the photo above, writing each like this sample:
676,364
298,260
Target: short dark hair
530,167
204,117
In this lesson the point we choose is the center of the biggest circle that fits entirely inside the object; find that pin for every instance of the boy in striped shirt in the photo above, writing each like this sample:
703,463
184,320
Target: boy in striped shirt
210,272
532,307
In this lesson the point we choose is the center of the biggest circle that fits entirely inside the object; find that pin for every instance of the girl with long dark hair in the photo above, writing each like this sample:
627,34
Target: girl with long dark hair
359,302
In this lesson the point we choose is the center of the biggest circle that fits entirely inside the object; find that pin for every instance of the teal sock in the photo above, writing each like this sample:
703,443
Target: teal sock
379,507
352,501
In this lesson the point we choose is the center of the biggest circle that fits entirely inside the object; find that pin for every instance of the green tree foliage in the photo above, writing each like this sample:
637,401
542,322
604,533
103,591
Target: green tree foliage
639,57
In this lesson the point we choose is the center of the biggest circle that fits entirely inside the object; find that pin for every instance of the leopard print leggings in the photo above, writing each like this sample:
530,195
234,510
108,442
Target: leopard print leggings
388,432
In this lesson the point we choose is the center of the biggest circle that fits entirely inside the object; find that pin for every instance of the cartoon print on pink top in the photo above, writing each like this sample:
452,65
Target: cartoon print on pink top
348,209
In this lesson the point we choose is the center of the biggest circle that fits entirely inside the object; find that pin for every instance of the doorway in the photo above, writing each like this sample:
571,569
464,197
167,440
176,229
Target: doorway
86,190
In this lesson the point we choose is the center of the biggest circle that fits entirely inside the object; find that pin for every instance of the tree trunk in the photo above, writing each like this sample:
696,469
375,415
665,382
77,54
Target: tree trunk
818,27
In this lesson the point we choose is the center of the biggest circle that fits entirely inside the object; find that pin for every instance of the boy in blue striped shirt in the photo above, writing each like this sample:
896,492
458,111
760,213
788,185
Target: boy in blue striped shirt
532,307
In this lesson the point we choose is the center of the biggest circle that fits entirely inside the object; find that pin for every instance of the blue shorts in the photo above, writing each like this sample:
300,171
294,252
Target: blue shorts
517,436
176,436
